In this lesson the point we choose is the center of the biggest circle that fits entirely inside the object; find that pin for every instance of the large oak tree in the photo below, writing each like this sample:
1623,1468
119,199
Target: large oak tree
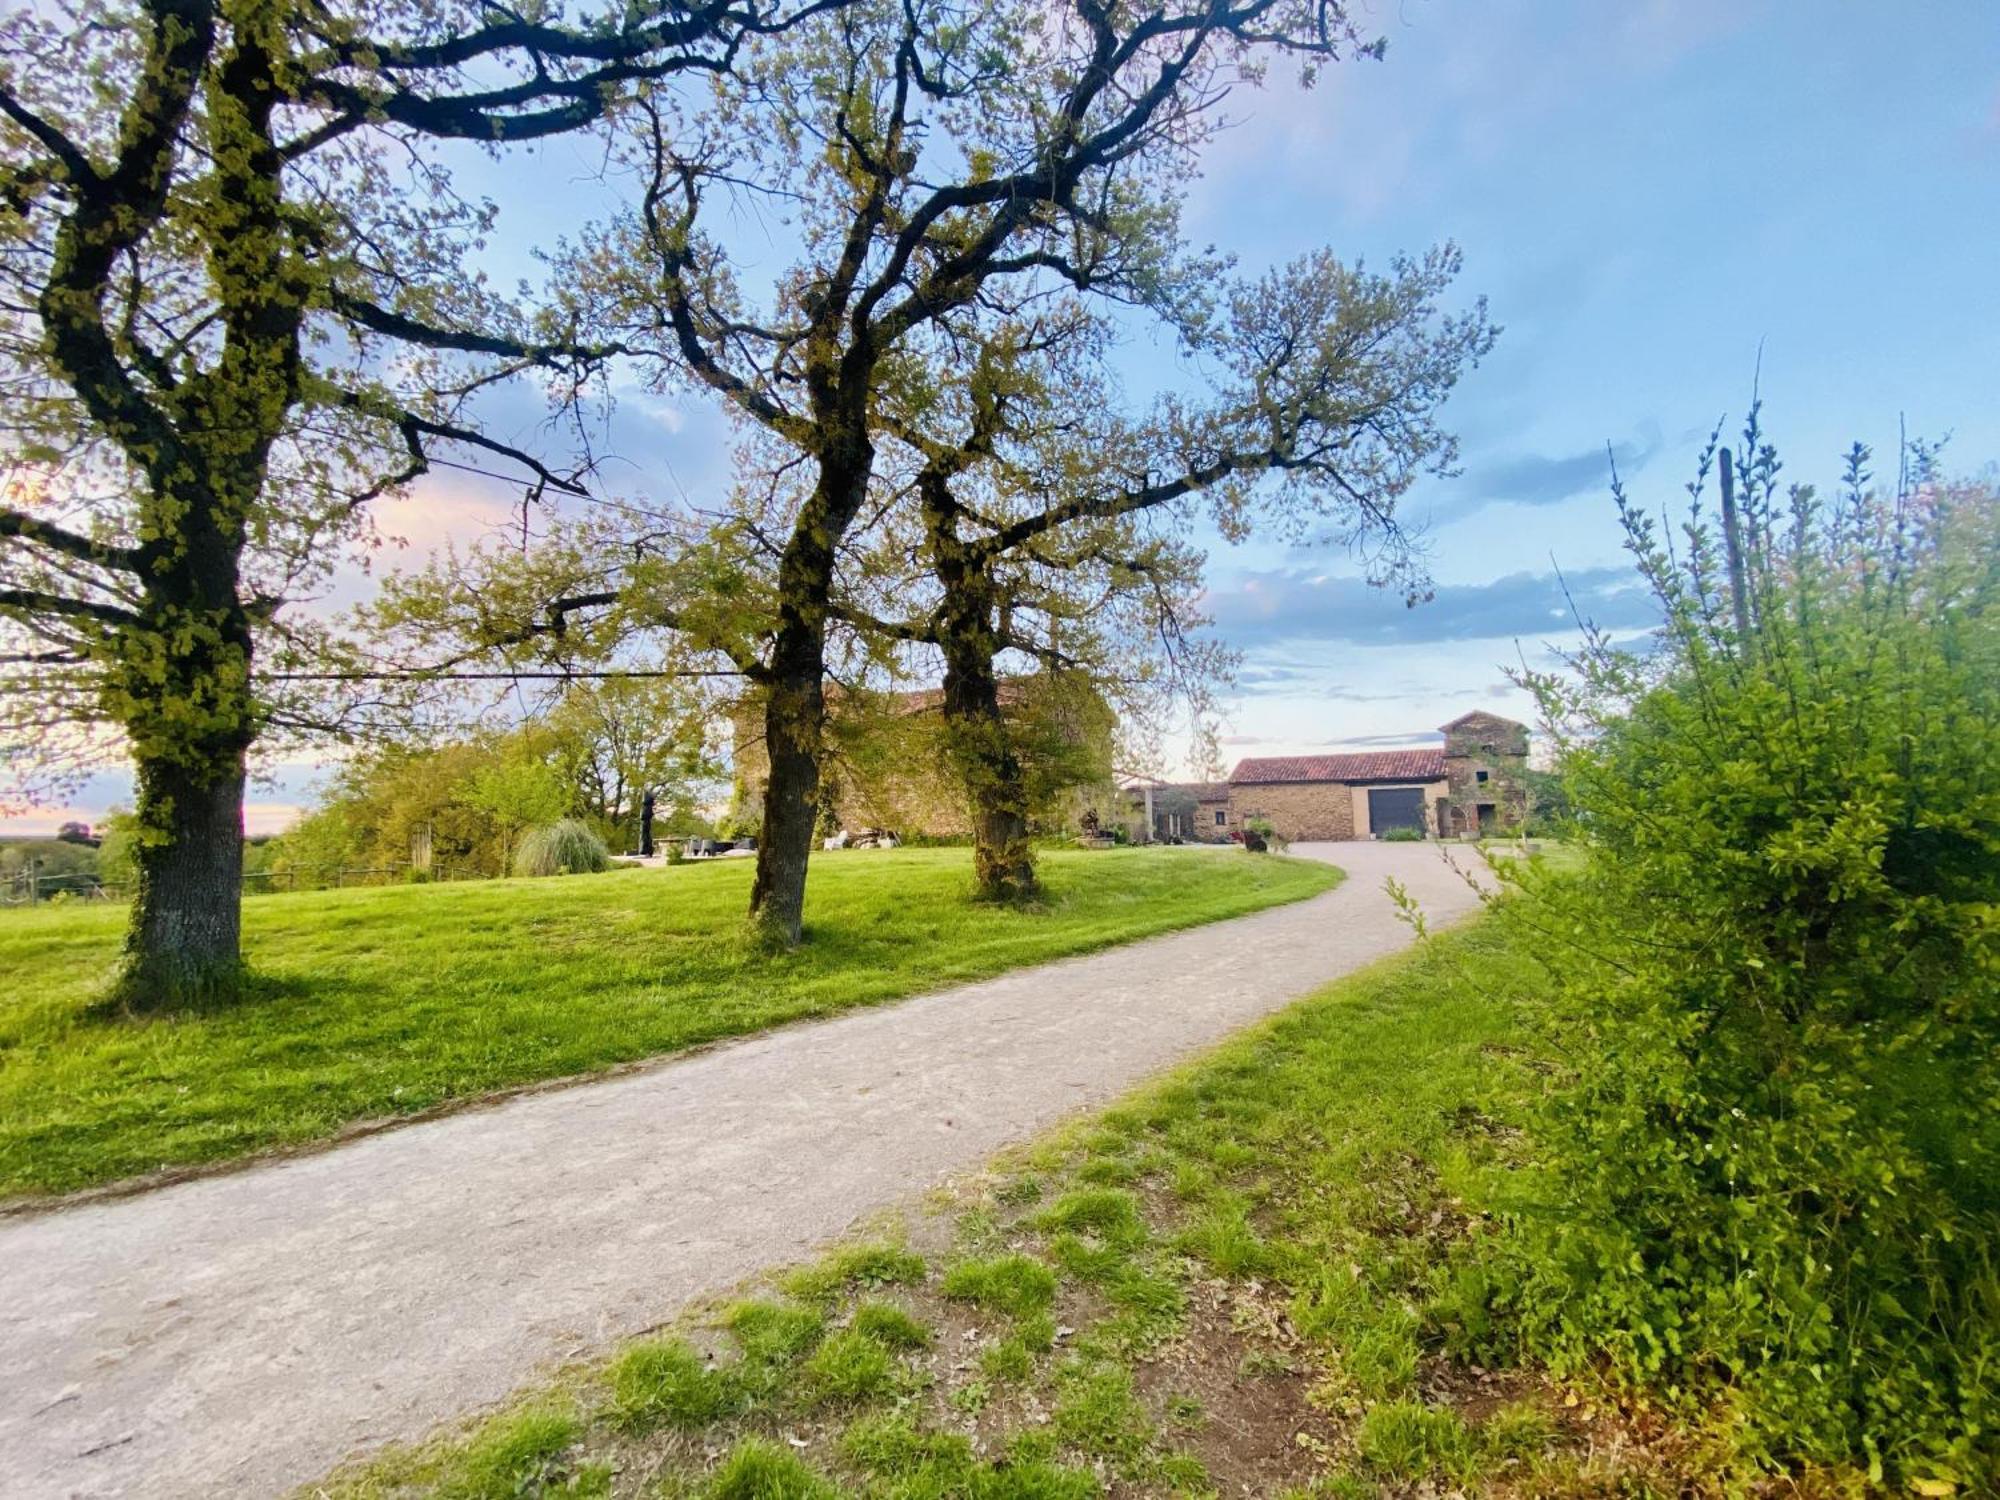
236,308
927,158
1049,528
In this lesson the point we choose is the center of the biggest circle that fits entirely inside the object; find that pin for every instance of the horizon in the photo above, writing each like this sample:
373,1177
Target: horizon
1665,205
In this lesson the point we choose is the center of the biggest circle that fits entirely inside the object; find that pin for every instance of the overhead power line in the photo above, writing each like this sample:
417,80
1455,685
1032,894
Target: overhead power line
420,675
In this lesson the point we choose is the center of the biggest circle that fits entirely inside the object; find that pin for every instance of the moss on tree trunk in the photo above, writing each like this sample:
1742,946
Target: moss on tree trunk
185,941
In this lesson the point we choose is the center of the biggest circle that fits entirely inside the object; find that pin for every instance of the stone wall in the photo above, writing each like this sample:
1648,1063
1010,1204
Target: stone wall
1484,755
1296,809
885,764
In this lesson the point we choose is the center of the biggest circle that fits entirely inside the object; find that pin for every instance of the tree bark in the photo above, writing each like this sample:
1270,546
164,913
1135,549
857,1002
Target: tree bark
185,941
191,722
794,711
976,730
795,685
1003,861
979,738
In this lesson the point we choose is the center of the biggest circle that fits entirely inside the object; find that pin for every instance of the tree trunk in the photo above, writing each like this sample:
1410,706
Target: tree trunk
1003,861
185,941
978,737
793,712
185,691
982,747
795,702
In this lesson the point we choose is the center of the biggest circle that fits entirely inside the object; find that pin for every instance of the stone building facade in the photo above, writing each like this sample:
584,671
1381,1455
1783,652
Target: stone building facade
1354,796
1485,791
1471,784
1183,811
885,765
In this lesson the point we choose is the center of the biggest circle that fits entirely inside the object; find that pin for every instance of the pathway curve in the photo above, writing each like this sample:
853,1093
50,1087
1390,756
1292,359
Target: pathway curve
239,1335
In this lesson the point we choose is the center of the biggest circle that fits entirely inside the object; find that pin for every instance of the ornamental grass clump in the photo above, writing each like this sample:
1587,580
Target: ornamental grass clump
1770,1181
565,848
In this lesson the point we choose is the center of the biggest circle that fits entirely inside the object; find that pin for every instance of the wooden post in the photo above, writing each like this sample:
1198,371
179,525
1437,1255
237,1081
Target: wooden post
1732,545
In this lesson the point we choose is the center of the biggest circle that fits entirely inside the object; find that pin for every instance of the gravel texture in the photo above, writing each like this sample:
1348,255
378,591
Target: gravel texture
241,1334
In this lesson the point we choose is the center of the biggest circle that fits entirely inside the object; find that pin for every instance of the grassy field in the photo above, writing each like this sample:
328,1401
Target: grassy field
1245,1280
387,1001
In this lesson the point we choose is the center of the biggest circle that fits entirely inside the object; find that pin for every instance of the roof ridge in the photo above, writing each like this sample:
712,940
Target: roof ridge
1414,763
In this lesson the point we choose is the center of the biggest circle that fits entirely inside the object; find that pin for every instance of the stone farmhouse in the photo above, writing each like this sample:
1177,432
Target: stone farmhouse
886,765
1471,784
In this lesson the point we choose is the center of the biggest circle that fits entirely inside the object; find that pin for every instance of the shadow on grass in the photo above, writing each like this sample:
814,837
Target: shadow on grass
243,988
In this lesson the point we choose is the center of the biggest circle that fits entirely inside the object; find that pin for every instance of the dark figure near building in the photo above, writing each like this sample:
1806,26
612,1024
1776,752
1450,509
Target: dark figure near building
646,827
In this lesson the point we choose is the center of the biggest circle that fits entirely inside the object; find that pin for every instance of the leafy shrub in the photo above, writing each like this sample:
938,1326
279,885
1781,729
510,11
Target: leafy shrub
1403,835
565,848
1773,1180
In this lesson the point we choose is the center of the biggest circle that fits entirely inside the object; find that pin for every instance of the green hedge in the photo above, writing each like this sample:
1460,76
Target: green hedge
1772,1178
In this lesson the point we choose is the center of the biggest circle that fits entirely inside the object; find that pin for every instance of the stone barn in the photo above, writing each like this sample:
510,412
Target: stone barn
886,764
1352,796
1485,792
1468,785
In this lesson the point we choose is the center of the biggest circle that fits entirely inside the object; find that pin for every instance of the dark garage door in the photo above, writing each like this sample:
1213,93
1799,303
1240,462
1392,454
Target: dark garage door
1395,807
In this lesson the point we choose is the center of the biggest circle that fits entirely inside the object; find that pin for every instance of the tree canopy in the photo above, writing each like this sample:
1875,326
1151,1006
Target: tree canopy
242,304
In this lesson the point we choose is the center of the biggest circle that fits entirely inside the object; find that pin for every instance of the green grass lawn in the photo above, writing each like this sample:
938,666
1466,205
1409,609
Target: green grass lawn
386,1001
1246,1279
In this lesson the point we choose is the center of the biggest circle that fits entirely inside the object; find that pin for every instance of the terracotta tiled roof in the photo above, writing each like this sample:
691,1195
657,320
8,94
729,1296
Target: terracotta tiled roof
1423,764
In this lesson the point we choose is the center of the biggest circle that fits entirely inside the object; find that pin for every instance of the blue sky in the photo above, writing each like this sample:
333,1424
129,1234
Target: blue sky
1646,193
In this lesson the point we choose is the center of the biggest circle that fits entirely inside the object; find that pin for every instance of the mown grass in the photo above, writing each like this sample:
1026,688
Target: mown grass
1249,1279
389,1001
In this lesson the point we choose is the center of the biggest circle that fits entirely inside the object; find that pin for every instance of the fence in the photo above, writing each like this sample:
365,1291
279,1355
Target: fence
29,887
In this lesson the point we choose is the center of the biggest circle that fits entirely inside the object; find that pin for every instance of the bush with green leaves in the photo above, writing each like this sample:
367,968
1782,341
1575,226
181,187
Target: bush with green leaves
1771,1181
568,847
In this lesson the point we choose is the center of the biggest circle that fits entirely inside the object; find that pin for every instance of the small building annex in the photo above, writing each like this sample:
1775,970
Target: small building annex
1470,784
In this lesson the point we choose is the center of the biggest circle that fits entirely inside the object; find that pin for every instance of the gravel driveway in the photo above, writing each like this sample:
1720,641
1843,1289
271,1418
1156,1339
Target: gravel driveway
240,1334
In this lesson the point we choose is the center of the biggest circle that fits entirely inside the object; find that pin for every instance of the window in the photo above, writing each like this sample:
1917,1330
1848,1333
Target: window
1221,817
1479,776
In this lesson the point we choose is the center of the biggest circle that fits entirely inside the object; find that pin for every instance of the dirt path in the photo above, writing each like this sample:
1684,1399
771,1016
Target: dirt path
240,1335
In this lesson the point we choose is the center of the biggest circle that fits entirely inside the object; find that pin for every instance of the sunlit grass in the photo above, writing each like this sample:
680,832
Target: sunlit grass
1242,1279
388,1001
